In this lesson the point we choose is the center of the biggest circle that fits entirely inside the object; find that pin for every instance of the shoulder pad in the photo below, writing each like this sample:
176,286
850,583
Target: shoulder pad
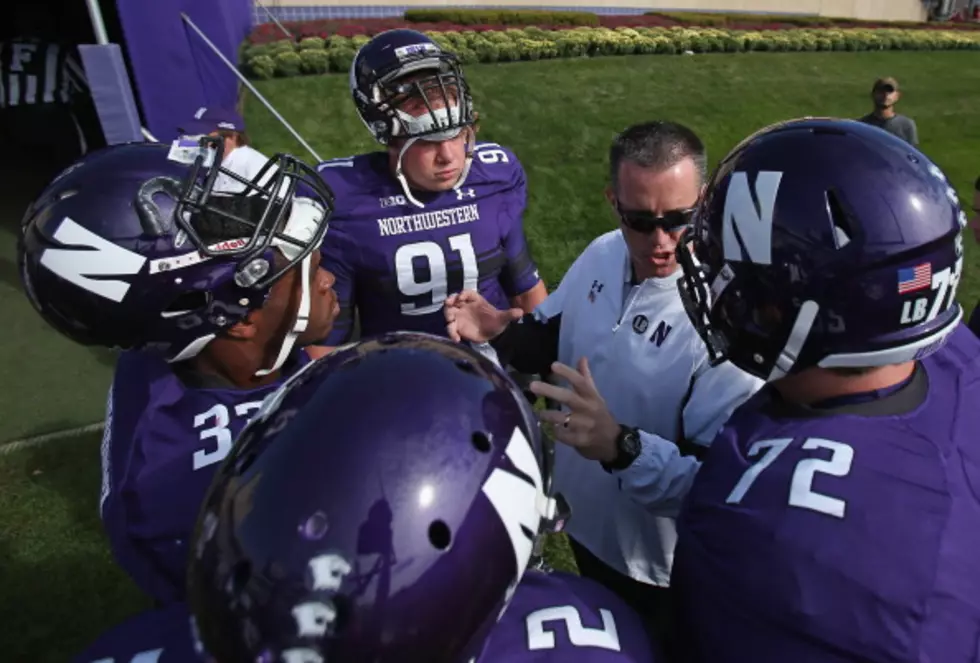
355,174
496,164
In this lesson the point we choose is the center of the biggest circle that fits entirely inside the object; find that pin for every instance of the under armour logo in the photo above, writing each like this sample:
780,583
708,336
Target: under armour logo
594,290
465,193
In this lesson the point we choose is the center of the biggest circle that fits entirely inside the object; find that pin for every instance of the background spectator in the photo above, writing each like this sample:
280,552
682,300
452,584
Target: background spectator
885,94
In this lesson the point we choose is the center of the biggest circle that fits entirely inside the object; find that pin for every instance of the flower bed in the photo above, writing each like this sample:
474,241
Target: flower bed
444,20
318,55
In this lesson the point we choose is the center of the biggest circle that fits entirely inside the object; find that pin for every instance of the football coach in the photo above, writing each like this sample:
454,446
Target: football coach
639,399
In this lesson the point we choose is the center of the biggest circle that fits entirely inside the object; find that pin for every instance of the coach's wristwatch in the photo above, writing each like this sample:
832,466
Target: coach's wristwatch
627,449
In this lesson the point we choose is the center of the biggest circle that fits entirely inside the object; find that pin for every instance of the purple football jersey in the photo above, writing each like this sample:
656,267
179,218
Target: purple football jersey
841,533
563,617
154,636
163,441
396,263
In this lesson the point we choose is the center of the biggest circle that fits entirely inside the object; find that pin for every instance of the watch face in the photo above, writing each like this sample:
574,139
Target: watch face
631,442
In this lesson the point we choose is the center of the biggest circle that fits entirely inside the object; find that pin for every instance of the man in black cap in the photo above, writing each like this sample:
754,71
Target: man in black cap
885,94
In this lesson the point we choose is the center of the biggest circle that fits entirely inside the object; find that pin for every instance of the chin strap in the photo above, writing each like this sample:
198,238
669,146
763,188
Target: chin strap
302,225
302,320
403,181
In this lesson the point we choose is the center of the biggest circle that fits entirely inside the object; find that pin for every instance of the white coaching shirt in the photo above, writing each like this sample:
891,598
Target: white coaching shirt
652,369
245,161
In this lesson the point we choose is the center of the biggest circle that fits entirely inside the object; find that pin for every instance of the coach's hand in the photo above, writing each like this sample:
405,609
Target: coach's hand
586,424
470,317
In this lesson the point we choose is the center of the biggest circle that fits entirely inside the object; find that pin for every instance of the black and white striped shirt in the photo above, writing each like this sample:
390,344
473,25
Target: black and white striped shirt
34,72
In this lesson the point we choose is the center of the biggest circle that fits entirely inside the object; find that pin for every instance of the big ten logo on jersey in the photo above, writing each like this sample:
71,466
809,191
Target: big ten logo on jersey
315,618
519,500
541,625
936,290
148,656
801,492
392,201
217,429
746,226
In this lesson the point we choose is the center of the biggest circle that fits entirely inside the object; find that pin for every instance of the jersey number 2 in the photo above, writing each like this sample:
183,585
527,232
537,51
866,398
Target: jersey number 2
539,638
437,284
219,432
801,492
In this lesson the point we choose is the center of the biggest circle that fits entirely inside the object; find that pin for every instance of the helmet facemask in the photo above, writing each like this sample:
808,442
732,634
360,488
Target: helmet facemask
426,98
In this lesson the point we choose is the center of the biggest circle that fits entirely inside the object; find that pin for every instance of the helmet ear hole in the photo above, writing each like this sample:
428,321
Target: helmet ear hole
843,222
185,303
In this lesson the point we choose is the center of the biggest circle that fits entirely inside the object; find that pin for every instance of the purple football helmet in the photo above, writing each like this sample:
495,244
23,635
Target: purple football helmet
381,506
405,85
378,86
131,247
823,242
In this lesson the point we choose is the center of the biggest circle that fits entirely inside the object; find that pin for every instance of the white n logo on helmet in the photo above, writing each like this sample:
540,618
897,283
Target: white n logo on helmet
746,229
517,501
149,656
90,256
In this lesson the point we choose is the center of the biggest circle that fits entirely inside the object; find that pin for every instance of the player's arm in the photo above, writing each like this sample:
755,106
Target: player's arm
519,279
129,429
528,301
531,344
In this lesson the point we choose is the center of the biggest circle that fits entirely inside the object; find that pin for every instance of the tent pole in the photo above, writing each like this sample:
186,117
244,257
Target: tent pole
98,24
274,19
249,85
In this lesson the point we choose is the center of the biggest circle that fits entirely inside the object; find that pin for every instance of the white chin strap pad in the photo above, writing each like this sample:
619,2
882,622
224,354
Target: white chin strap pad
302,225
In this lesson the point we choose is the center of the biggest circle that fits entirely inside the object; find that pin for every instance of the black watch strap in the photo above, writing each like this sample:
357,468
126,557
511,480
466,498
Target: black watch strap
627,449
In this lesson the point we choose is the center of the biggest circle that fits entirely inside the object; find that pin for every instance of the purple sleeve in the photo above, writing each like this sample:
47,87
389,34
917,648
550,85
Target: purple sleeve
157,570
161,636
337,251
521,273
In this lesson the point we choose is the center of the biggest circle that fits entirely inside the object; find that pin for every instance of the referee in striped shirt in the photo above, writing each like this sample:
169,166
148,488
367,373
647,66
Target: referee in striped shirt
45,105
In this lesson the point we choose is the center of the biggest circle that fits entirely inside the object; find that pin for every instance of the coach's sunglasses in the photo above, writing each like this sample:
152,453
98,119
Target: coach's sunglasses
644,221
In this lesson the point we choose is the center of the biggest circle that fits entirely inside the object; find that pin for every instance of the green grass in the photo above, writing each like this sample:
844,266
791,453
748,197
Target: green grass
59,585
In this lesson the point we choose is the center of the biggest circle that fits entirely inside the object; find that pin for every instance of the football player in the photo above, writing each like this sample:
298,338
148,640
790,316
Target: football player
435,212
396,533
211,298
835,518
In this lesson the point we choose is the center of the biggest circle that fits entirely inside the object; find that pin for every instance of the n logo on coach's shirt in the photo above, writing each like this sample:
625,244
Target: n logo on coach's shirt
90,256
747,222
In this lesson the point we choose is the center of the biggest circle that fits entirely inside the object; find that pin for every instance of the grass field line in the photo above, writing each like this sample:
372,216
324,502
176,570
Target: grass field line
12,446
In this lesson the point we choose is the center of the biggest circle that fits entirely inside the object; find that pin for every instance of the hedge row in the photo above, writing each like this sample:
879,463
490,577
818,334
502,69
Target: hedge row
316,55
698,19
800,20
440,20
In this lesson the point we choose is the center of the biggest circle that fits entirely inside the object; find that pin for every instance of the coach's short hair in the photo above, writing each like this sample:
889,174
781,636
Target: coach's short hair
659,144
